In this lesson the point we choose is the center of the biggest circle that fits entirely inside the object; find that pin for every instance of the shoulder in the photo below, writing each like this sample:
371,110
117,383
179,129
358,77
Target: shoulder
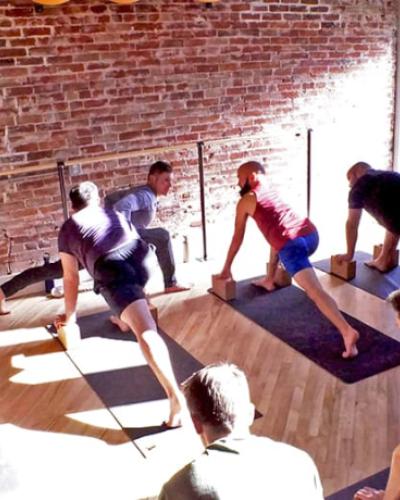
178,483
247,202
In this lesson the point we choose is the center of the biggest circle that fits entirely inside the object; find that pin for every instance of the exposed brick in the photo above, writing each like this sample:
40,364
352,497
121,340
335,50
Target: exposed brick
92,77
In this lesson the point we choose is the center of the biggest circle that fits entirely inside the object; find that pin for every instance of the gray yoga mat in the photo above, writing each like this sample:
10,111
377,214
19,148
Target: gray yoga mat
291,316
370,280
377,481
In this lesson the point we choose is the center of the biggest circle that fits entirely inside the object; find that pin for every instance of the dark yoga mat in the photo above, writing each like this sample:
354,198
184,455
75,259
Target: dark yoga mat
292,317
370,280
135,384
377,481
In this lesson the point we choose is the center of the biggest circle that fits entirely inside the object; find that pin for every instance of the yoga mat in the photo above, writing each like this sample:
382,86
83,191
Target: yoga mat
370,280
131,384
288,314
123,387
377,481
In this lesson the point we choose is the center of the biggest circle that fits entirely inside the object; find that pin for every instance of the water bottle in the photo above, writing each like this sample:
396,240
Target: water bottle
49,283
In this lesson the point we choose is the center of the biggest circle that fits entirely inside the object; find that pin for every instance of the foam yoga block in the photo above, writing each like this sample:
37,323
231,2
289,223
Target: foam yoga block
224,288
345,270
69,335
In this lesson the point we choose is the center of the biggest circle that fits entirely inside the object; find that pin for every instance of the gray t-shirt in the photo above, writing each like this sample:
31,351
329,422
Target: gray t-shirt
250,468
138,204
93,232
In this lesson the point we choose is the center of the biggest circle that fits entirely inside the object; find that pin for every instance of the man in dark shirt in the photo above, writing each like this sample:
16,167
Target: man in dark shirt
378,192
110,249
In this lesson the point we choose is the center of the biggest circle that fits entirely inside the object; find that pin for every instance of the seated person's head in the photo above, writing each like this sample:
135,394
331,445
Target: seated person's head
219,403
160,177
84,194
394,299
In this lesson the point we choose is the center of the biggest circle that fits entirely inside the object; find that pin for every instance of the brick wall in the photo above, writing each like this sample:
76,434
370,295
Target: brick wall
92,77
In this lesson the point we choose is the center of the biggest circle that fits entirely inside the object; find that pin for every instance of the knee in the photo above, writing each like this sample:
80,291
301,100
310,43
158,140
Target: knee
163,235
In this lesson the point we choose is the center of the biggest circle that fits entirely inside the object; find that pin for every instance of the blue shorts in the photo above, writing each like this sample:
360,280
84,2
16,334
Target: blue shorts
294,255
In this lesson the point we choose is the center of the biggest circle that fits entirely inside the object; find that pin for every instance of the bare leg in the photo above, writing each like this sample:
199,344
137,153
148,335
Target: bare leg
308,280
3,307
137,315
118,322
384,260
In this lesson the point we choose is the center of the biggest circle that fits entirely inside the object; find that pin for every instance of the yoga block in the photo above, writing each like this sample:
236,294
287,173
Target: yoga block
154,312
282,277
224,288
395,258
69,336
345,270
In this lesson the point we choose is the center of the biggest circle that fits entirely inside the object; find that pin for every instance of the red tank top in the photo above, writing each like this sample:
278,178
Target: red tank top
276,220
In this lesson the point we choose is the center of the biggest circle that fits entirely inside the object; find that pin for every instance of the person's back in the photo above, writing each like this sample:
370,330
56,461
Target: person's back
249,468
378,192
93,232
276,220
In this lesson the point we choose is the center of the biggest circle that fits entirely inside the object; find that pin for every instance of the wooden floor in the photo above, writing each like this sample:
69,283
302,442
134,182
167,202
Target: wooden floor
47,406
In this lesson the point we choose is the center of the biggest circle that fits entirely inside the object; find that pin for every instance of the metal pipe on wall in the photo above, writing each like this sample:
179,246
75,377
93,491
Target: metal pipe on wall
396,124
200,151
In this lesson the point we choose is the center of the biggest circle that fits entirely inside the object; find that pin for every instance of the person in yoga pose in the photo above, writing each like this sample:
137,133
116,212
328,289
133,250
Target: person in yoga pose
111,250
292,240
378,192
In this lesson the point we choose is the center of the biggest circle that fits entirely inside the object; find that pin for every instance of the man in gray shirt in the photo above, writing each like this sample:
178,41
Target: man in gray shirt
139,205
235,464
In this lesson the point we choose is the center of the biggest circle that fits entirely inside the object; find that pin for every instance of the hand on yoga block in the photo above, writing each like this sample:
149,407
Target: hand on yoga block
224,288
69,335
344,269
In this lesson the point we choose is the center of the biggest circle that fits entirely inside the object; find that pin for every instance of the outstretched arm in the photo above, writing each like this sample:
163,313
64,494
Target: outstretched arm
352,223
71,283
242,213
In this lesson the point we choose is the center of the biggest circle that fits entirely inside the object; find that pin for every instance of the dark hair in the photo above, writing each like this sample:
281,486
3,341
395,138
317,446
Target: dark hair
159,167
218,395
256,166
82,194
394,299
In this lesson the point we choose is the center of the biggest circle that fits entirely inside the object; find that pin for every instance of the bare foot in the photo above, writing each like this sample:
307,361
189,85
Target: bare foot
264,283
3,307
121,325
350,341
369,493
381,266
177,413
176,288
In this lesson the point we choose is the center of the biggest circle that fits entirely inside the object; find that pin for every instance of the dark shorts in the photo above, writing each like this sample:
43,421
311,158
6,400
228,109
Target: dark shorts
120,276
294,255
